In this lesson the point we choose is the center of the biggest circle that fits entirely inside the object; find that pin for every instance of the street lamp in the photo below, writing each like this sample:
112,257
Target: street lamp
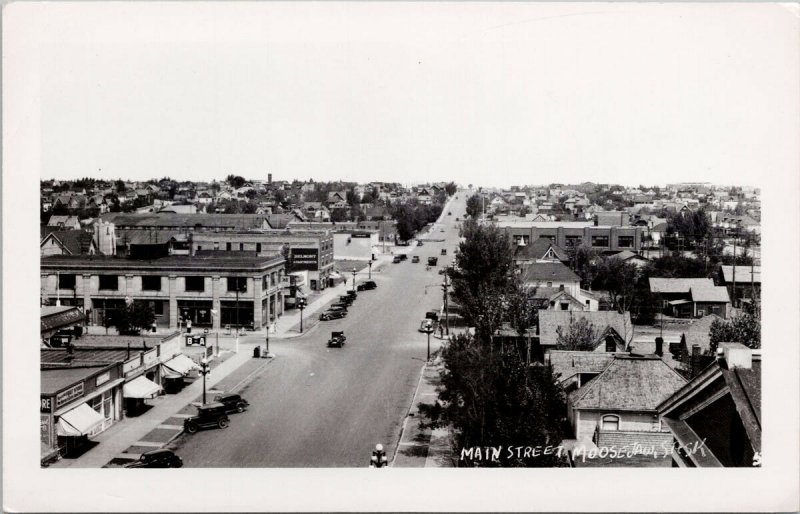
370,269
204,371
378,459
354,279
445,286
301,304
428,330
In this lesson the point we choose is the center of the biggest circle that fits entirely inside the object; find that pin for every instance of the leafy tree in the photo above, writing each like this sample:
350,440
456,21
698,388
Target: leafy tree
580,335
235,181
493,398
619,279
119,186
523,311
581,261
474,206
451,188
133,318
745,329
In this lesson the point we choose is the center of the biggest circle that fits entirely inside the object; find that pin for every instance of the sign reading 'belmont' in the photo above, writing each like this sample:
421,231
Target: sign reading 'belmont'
305,259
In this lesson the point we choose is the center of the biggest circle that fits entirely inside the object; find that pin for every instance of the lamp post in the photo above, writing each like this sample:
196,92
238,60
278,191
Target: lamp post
204,371
428,330
370,268
378,459
445,287
354,279
301,304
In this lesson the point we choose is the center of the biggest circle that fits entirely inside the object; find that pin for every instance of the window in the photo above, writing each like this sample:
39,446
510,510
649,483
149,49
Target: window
241,247
573,240
600,241
564,306
196,284
258,247
237,284
625,241
228,247
549,284
66,281
609,422
151,283
199,248
109,282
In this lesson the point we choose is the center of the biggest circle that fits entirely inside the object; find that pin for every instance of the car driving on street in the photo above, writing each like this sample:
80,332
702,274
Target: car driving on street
232,402
366,286
415,258
160,458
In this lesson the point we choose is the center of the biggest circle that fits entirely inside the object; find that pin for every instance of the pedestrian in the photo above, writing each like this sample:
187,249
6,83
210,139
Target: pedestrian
188,326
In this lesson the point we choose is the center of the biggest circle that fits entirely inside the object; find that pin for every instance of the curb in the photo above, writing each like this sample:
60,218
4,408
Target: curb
405,419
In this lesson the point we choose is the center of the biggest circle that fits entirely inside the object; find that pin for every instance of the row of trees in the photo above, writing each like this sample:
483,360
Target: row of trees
490,395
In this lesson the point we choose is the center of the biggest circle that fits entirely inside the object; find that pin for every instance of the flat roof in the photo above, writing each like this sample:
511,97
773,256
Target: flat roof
53,380
224,261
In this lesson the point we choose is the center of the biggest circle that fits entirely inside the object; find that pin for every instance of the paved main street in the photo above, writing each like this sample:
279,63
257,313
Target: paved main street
327,407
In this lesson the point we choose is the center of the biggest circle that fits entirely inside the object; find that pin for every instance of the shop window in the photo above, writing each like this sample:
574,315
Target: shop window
109,282
609,422
600,241
151,283
258,247
227,247
66,281
237,284
195,284
241,247
625,241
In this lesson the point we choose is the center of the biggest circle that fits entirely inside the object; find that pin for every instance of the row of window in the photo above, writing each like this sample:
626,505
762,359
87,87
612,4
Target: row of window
240,246
597,241
153,282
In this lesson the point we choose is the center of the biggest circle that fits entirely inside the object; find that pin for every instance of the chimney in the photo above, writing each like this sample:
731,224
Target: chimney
659,346
736,355
269,179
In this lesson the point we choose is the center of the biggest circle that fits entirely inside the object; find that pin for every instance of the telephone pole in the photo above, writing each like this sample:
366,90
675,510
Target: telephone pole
445,287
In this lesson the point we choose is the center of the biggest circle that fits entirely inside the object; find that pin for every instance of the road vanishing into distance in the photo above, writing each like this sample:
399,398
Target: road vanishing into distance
315,406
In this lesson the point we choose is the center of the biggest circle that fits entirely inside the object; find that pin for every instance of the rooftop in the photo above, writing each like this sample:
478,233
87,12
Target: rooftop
743,274
549,321
224,261
678,285
56,379
710,294
549,271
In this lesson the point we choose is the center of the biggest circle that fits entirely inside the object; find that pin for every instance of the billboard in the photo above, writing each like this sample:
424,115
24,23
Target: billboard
304,259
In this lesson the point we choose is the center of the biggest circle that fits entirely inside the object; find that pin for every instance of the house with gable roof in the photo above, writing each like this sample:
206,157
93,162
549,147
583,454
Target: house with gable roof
613,331
540,250
558,283
619,407
691,297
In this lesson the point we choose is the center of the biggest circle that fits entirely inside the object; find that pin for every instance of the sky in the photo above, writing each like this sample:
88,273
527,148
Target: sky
490,94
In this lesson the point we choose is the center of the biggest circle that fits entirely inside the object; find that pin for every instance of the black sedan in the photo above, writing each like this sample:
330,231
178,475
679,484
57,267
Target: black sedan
329,315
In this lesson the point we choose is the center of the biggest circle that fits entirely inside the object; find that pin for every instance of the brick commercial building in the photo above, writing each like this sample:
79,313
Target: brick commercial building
309,251
566,234
209,290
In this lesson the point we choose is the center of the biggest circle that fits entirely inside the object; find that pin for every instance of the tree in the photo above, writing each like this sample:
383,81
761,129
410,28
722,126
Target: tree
580,335
523,312
235,181
474,206
493,398
619,279
581,261
133,318
450,188
745,329
119,186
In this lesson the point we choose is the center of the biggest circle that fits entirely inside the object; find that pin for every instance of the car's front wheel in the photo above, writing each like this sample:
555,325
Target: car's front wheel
222,423
191,427
240,408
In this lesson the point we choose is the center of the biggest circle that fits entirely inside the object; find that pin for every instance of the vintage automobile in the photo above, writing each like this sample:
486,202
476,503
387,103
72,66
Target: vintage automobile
209,415
160,458
346,299
338,306
329,315
403,257
419,243
449,213
444,251
337,340
396,259
432,315
352,294
432,261
415,258
366,286
427,325
232,402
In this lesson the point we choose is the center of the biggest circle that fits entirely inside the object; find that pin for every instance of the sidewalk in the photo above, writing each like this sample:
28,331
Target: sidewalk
423,447
163,422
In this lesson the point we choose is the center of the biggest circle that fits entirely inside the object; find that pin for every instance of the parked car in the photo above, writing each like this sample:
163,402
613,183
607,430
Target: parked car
157,459
432,261
209,415
329,315
232,402
352,293
444,251
396,259
427,325
432,315
403,257
415,258
338,306
347,299
366,286
419,243
337,339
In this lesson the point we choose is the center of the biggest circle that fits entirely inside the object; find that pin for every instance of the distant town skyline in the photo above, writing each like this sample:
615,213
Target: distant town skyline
496,94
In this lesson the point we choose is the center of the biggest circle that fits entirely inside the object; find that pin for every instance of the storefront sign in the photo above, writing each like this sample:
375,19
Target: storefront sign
150,358
131,365
46,404
102,379
360,236
70,394
304,259
45,430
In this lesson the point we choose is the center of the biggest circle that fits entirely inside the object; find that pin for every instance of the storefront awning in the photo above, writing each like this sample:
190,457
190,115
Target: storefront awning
79,421
181,364
140,387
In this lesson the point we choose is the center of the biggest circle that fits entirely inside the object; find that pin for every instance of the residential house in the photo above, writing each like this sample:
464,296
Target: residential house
618,409
337,200
68,242
613,331
64,222
630,257
316,211
715,419
691,297
743,282
541,250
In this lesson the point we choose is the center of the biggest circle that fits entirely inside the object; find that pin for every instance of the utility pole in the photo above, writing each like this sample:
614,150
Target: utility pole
445,287
733,300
